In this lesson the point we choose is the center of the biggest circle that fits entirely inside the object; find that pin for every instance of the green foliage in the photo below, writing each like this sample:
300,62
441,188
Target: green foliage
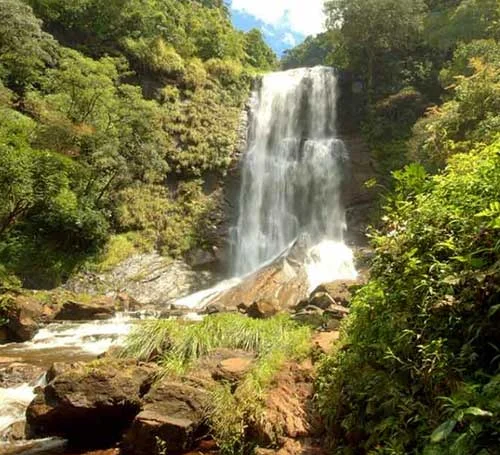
259,55
420,363
471,116
372,30
315,50
78,138
169,221
24,48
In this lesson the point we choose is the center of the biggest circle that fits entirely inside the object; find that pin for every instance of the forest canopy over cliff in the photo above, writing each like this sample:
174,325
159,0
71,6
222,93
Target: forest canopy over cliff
417,370
113,114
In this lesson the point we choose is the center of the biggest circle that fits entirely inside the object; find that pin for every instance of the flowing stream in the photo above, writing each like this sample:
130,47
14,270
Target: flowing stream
291,181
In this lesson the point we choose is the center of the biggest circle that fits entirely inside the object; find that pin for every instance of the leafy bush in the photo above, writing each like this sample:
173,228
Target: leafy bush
422,334
471,117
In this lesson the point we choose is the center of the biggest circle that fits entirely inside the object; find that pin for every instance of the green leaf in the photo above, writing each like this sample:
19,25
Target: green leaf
477,412
443,431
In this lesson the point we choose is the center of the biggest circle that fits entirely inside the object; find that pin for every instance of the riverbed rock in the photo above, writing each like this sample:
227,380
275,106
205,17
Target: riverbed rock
283,283
91,404
15,374
264,309
224,365
171,420
23,314
97,309
336,292
15,432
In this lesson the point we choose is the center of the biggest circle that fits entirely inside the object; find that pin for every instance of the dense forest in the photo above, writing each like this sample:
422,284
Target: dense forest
113,113
417,370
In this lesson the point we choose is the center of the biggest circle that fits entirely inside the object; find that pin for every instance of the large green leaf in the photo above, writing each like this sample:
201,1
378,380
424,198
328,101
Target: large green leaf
443,431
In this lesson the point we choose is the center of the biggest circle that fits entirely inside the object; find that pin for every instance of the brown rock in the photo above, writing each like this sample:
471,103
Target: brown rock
23,315
288,407
4,334
90,404
97,309
16,432
210,367
264,309
171,421
336,292
16,373
283,281
234,369
324,341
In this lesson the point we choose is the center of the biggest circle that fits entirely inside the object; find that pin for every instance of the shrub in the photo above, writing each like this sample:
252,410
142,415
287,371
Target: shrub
421,346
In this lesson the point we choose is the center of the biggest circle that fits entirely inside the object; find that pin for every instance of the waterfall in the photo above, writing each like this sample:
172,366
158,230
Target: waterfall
292,172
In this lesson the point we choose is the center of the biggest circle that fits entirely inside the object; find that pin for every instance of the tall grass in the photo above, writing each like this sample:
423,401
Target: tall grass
182,343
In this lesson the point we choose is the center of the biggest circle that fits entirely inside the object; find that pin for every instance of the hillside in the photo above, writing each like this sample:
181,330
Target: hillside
113,115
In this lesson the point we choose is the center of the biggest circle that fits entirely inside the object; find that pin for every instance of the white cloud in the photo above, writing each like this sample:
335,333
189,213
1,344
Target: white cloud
289,39
267,31
301,16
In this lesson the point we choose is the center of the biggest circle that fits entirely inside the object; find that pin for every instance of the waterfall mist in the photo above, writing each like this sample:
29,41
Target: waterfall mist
292,171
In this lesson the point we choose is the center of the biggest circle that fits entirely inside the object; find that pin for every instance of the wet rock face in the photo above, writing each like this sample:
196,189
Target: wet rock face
276,287
147,278
171,420
90,404
359,200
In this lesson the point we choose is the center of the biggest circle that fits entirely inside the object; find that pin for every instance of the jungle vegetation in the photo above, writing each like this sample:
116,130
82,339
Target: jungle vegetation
113,114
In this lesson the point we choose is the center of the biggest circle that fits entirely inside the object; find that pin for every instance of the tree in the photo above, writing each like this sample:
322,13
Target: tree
24,48
372,30
259,54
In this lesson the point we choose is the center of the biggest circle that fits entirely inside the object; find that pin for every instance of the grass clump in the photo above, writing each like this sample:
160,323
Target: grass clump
177,345
181,343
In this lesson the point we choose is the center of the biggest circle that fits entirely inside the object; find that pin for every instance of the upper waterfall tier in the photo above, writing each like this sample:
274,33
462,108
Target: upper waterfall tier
292,169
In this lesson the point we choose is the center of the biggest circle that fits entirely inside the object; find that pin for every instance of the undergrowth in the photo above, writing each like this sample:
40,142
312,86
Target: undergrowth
419,371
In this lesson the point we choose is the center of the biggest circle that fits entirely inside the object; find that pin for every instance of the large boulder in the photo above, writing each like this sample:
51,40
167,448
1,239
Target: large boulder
23,314
283,284
171,421
150,279
90,404
96,309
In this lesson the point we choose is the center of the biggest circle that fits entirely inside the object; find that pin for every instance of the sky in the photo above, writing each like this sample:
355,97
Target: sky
284,23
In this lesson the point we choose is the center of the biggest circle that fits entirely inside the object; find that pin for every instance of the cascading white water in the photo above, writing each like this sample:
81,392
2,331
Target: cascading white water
292,173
